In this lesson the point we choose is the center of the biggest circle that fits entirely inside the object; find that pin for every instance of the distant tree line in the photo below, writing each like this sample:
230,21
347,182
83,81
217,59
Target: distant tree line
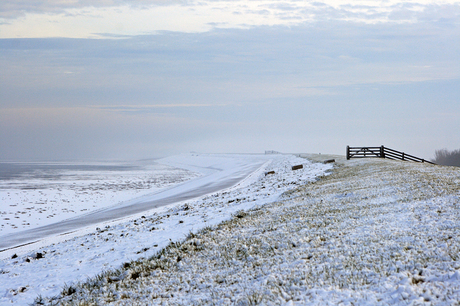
447,158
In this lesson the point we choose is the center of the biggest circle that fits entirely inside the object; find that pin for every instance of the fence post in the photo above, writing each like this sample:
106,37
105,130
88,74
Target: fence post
348,152
382,152
403,156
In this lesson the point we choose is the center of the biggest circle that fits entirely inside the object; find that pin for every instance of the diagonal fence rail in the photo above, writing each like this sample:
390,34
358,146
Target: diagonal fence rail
382,152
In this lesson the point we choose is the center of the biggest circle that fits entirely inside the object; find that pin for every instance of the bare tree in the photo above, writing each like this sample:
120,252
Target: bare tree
447,158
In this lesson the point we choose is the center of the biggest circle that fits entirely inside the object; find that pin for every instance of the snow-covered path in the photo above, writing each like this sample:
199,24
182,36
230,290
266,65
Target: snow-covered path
221,172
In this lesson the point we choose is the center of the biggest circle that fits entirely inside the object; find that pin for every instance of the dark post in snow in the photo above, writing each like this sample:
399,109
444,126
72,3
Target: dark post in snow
382,152
348,152
297,167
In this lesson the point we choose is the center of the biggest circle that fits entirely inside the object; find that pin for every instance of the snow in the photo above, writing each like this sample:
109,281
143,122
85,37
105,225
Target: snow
48,196
85,253
359,232
230,170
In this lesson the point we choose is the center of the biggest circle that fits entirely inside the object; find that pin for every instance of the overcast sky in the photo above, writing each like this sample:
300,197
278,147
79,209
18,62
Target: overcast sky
150,78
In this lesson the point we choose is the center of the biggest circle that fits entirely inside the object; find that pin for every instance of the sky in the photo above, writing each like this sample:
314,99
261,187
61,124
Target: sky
135,79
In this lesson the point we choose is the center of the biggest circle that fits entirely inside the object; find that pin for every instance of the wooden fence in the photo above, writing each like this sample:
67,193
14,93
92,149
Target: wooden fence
382,152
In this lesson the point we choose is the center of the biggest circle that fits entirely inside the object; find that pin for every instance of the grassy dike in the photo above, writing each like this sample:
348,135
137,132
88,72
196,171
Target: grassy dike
374,232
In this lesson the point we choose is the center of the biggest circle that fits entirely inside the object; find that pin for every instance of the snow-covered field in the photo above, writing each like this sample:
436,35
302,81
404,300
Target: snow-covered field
46,193
371,232
44,268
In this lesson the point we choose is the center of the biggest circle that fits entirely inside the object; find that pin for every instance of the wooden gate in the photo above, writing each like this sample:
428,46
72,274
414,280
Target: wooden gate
382,152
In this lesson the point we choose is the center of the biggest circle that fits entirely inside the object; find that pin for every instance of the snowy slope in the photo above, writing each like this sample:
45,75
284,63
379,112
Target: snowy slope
374,232
88,252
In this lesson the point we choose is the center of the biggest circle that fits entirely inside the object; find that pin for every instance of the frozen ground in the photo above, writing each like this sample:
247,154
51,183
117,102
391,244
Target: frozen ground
44,268
33,195
374,232
218,172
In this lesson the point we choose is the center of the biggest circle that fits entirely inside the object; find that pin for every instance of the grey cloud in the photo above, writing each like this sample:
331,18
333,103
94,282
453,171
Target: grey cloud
171,67
217,24
259,12
310,88
283,6
14,8
445,14
352,6
284,11
402,14
319,4
429,13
